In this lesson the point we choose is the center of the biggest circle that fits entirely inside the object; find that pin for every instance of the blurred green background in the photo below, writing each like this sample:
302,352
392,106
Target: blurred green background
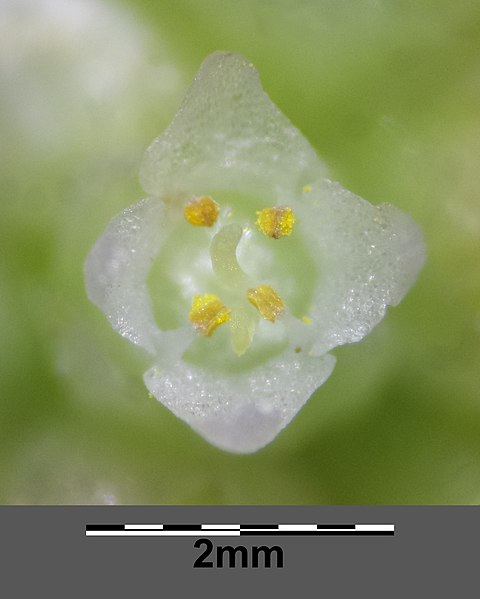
389,94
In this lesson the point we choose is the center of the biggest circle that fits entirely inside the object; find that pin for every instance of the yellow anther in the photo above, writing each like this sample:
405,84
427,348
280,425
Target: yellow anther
276,222
307,188
267,301
201,212
207,313
306,320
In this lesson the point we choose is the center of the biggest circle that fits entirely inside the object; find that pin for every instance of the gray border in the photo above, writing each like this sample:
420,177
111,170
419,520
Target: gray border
45,552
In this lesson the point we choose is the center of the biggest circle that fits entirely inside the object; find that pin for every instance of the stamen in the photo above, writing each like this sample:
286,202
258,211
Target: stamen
207,313
276,222
267,301
201,212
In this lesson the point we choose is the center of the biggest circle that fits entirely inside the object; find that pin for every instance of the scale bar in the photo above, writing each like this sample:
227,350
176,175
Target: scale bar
237,530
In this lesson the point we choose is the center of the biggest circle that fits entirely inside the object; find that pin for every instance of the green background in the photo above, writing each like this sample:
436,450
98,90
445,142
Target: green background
389,94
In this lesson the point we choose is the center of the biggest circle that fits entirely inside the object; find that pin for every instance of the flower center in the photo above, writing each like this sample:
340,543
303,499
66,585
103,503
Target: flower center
241,303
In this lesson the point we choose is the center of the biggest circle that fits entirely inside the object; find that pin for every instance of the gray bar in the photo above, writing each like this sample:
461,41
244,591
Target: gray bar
434,553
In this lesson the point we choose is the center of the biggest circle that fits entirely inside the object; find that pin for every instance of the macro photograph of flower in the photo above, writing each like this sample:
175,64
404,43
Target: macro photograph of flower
240,252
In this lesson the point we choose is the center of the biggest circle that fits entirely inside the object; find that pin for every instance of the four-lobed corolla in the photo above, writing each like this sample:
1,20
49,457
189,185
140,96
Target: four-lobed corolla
262,264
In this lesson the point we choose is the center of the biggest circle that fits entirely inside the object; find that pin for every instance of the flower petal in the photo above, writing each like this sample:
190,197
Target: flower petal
117,268
226,135
368,258
244,412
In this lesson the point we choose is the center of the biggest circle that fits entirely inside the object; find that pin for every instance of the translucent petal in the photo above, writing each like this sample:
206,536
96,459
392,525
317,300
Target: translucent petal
243,412
228,134
117,268
368,258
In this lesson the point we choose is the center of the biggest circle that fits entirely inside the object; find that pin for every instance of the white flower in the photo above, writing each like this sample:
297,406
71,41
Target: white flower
262,264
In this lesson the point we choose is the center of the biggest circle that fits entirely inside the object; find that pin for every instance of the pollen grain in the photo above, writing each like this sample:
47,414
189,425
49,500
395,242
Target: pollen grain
207,313
201,211
276,222
267,301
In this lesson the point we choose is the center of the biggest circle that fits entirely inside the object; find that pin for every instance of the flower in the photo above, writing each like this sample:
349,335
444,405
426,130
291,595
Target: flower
262,264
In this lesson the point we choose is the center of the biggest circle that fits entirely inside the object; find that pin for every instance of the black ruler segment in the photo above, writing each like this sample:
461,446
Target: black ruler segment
105,527
328,526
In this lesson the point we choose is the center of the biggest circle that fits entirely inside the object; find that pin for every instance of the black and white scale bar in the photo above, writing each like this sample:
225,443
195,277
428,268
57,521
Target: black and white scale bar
237,530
